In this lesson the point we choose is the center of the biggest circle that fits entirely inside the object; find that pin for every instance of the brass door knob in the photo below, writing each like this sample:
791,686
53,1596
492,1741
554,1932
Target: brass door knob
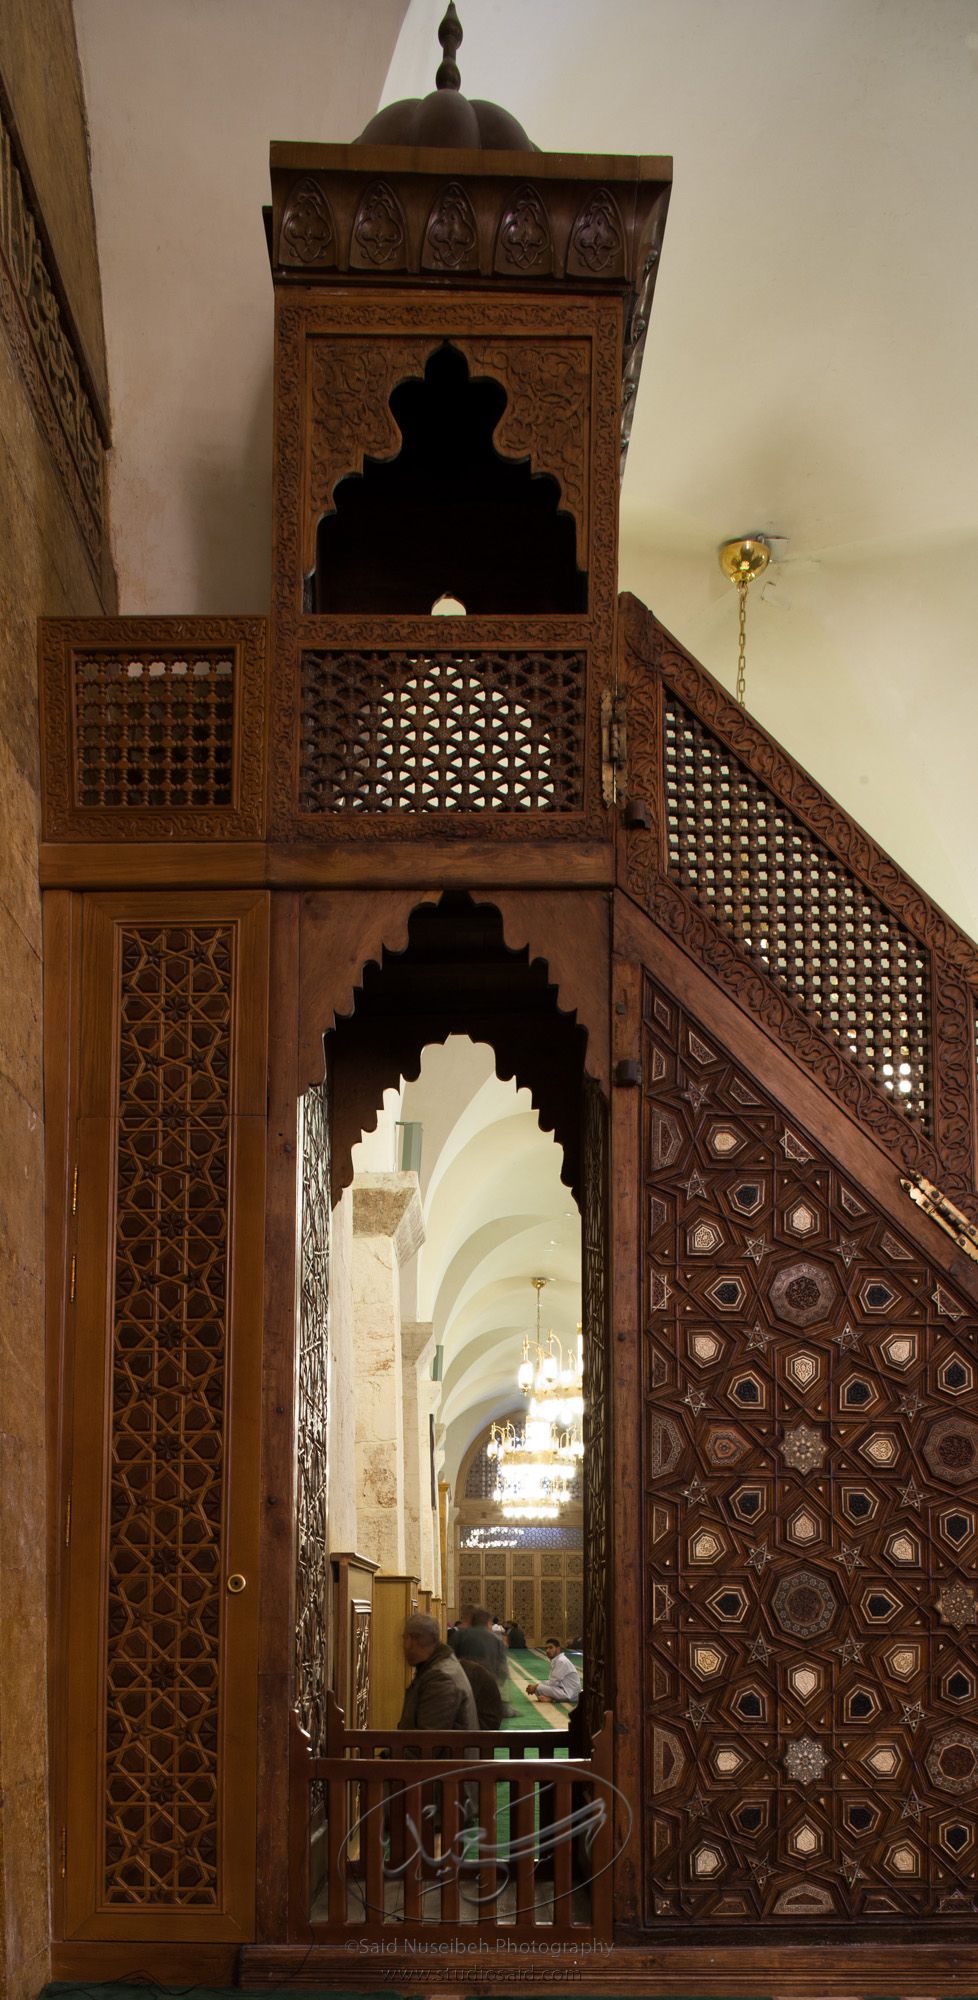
237,1583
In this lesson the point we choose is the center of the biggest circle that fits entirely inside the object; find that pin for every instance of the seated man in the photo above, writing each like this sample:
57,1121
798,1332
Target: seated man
564,1683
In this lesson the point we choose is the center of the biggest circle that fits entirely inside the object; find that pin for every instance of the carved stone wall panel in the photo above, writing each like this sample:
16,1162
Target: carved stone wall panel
811,1512
153,728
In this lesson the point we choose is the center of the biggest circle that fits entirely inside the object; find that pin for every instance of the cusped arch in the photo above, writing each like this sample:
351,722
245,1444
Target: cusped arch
426,454
385,975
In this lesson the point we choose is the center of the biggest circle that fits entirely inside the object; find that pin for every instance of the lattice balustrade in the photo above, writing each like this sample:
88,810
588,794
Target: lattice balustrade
154,730
312,1648
442,732
166,1503
788,902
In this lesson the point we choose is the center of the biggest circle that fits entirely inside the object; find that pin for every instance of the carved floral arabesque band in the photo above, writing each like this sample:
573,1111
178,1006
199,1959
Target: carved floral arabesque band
46,348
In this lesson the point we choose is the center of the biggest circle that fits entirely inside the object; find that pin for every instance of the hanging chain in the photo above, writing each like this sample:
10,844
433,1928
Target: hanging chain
741,560
743,585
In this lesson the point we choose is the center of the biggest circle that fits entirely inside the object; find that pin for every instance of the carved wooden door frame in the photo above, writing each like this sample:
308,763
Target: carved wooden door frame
319,943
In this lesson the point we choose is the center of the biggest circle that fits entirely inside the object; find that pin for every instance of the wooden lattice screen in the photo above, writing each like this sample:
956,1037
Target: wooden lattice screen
795,911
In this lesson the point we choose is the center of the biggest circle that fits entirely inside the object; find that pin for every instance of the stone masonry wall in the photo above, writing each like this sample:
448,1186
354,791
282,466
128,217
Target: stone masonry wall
53,560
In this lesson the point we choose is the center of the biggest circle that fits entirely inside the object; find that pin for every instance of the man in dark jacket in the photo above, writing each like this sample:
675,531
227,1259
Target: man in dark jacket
477,1641
439,1696
488,1694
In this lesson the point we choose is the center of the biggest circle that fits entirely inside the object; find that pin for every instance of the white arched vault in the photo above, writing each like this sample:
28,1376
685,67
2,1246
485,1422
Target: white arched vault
496,1214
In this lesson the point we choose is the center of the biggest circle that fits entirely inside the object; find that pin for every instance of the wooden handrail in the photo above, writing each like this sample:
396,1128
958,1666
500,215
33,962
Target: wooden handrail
389,1794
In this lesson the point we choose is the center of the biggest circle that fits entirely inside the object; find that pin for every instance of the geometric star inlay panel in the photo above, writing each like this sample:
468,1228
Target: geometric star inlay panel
812,1472
162,1664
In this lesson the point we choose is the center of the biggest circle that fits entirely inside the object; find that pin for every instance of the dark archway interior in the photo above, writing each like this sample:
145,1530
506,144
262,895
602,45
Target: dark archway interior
457,976
448,516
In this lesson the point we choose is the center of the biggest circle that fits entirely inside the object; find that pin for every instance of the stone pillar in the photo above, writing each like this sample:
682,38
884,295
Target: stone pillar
342,1392
387,1229
417,1351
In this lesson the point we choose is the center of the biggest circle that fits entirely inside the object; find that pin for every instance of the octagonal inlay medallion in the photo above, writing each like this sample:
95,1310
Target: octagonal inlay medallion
952,1760
951,1450
803,1292
804,1604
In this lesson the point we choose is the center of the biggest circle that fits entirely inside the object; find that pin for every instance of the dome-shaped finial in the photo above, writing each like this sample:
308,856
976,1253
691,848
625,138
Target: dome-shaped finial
445,117
448,76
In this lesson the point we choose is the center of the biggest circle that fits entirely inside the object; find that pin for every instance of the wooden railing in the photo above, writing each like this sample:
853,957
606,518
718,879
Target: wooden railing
400,1833
789,905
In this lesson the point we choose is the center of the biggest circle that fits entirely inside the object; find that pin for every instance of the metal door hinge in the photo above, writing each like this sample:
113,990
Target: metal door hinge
64,1852
942,1210
71,1280
614,747
74,1192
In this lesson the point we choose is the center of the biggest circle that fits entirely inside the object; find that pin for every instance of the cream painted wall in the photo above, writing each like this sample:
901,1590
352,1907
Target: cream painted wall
183,98
809,371
810,367
341,1391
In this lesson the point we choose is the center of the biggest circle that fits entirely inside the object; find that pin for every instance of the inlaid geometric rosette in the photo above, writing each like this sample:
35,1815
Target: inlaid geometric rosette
162,1780
811,1510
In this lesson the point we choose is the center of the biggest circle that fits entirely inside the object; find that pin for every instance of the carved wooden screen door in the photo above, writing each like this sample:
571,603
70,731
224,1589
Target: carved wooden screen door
808,1604
598,1620
160,1520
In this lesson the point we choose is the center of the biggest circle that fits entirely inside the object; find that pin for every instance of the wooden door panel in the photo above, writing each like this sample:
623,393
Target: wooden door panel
161,1655
810,1523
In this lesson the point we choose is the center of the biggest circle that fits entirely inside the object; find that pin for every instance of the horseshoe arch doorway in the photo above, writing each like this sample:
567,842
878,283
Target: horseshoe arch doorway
407,975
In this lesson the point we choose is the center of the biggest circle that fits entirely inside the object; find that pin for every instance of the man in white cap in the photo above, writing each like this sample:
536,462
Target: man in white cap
564,1683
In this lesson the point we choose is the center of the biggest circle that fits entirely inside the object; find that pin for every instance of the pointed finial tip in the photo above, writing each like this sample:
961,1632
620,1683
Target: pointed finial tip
448,76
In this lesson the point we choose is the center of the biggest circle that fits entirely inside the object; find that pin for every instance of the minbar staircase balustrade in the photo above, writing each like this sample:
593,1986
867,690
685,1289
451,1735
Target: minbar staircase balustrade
155,735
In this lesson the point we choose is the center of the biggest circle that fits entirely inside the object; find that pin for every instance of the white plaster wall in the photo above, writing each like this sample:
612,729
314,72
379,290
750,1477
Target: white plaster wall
341,1418
183,98
810,366
809,371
